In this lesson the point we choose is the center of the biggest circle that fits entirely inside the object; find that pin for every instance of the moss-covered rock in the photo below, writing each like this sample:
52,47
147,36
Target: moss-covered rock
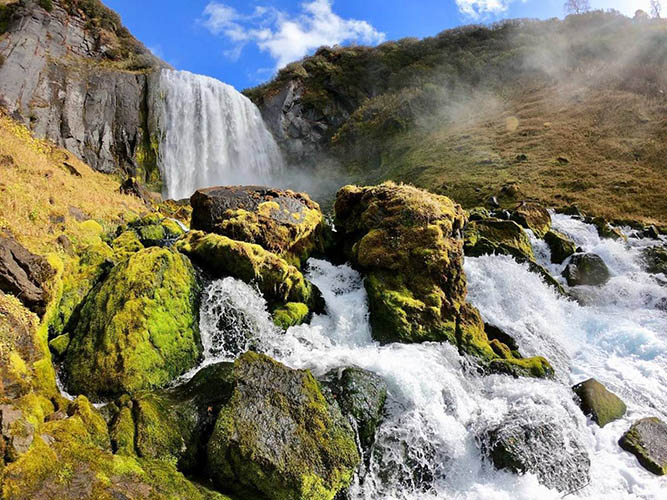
291,314
561,246
598,403
126,245
586,269
155,230
606,230
138,329
278,435
655,259
286,223
534,217
279,281
647,440
497,237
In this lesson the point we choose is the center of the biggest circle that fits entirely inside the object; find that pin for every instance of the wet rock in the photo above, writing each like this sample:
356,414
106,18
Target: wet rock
572,211
650,232
497,237
647,440
606,230
360,394
493,202
24,274
286,223
655,259
291,314
586,269
478,213
495,333
598,403
278,436
155,230
561,246
138,329
534,217
558,460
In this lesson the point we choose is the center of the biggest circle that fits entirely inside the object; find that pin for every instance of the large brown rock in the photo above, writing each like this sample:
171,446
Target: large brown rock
24,274
283,222
534,217
647,440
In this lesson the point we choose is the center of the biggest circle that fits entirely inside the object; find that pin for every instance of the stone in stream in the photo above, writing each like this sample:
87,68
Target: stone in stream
598,403
655,259
586,269
534,217
286,223
647,440
561,246
497,237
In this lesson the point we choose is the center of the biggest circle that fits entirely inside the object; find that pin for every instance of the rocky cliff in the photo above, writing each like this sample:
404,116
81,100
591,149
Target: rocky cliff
76,76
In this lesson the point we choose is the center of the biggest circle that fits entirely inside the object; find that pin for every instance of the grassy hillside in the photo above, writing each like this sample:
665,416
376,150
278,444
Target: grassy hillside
569,111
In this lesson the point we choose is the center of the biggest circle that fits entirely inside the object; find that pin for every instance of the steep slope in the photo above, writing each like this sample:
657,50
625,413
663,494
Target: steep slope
564,112
76,76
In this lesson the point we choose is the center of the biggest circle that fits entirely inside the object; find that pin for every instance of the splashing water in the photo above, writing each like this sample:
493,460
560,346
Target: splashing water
439,408
209,135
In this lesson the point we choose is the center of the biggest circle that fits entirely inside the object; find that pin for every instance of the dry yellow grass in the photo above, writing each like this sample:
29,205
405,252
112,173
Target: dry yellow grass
38,193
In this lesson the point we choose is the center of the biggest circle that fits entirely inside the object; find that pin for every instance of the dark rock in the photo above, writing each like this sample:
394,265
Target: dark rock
606,230
493,202
546,277
586,269
534,217
71,169
286,223
561,246
572,211
134,188
78,214
495,333
562,160
655,259
501,214
24,275
520,158
279,437
647,440
495,236
559,461
598,403
650,232
360,394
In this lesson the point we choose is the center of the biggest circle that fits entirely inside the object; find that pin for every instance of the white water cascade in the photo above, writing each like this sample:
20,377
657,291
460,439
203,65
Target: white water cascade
209,134
438,406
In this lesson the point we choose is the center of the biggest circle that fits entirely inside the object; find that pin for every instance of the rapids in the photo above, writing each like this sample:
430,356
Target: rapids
439,407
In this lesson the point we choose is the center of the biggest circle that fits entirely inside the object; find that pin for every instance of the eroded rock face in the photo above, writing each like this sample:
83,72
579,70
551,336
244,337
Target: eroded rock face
286,223
279,436
586,269
647,440
138,329
598,403
24,274
558,460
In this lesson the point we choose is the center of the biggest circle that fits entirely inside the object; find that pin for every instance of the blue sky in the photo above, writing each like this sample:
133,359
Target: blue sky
243,42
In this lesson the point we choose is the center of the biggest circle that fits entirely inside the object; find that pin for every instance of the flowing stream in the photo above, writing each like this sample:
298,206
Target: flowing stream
439,407
209,134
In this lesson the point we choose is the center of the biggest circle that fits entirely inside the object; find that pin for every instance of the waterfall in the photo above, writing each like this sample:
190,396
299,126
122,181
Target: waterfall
209,134
438,407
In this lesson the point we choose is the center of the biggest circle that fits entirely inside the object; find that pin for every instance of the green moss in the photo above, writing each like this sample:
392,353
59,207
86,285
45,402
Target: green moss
138,329
122,432
638,441
598,403
536,367
126,245
495,236
291,314
59,344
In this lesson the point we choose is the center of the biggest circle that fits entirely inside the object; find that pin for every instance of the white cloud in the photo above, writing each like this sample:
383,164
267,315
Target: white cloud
287,38
481,8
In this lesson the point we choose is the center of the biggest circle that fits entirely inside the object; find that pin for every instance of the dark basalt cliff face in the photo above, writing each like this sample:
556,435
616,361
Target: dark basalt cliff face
77,77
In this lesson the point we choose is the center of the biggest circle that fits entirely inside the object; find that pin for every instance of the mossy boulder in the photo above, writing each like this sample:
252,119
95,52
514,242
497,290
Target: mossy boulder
586,269
138,329
279,437
286,223
279,281
497,237
534,217
155,230
655,259
557,459
598,403
172,424
291,314
125,245
606,230
561,246
361,395
647,440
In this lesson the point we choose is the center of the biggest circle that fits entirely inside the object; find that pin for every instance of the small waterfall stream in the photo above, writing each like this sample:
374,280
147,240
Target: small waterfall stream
209,134
439,406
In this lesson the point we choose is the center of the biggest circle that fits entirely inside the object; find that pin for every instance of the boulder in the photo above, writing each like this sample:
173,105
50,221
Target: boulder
279,437
360,394
291,314
495,236
598,403
24,274
647,440
606,230
279,281
558,460
586,269
655,259
172,424
154,230
286,223
138,329
561,246
409,244
534,217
